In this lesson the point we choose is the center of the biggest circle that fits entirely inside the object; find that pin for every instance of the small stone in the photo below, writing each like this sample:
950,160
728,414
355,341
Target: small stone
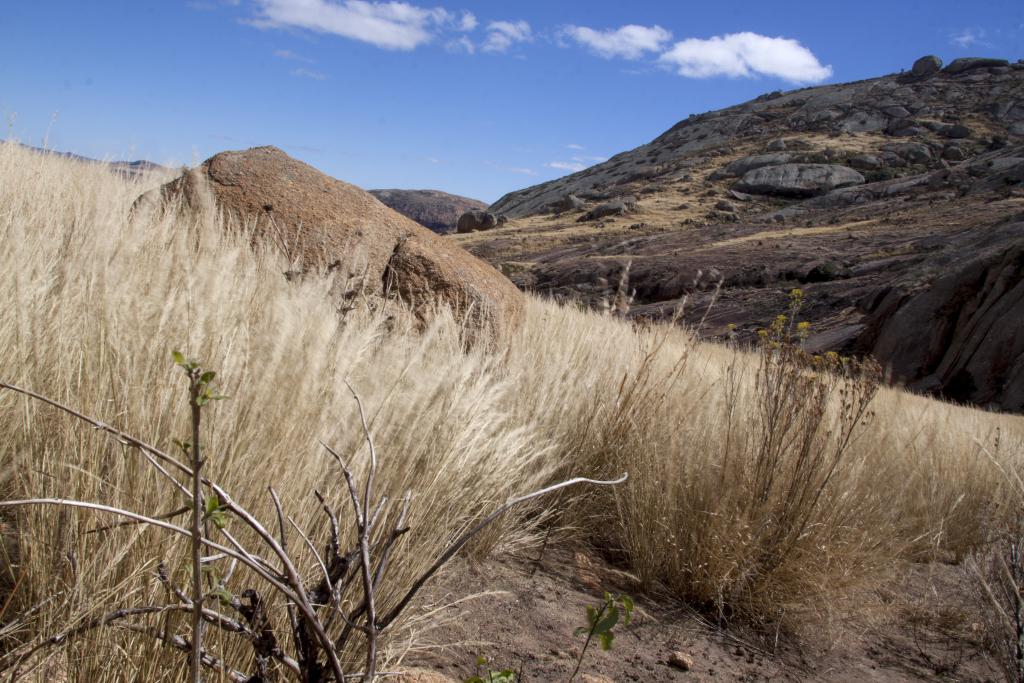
725,205
777,145
681,661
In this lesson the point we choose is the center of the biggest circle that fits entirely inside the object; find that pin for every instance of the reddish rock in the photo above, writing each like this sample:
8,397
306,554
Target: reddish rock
323,224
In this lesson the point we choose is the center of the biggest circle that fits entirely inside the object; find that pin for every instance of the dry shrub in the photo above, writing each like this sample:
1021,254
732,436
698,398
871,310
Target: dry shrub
93,306
997,571
742,494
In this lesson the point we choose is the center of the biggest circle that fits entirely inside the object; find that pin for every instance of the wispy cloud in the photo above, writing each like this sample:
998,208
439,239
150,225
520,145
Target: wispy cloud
501,35
572,166
629,42
576,147
308,73
461,44
389,25
968,37
521,171
745,54
292,56
468,21
577,162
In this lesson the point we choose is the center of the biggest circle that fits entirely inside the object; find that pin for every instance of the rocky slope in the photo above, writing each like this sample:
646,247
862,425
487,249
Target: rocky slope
432,209
895,203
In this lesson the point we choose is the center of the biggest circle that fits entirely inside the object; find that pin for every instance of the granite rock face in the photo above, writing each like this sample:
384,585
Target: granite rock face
798,180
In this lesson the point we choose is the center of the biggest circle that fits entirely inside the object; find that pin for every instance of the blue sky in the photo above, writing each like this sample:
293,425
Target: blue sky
475,98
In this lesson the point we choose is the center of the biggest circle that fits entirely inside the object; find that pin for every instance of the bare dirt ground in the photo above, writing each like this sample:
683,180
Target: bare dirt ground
924,628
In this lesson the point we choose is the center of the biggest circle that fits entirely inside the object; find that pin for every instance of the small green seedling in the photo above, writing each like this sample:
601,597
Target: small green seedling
601,620
484,674
204,392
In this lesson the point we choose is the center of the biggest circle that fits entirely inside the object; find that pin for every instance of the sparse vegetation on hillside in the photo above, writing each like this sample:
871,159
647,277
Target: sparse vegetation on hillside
758,489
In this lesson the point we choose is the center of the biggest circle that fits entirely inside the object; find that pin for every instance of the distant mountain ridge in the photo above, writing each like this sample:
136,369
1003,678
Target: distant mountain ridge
433,209
129,168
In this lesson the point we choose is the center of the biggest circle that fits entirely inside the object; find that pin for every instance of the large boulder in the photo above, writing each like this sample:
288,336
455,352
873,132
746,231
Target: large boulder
569,202
926,66
798,180
959,66
326,225
618,207
476,220
741,166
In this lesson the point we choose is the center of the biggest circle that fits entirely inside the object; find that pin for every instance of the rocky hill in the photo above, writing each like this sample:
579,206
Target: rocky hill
896,204
432,209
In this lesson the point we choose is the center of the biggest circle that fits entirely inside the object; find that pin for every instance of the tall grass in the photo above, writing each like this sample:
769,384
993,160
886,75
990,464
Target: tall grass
94,301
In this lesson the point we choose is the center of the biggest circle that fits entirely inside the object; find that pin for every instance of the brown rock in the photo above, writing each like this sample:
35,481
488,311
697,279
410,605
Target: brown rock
681,661
324,224
595,678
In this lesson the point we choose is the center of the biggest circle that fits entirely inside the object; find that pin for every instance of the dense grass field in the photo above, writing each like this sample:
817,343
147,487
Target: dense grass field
757,490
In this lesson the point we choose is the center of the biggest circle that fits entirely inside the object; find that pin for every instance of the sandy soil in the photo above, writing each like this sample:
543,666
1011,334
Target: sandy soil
923,628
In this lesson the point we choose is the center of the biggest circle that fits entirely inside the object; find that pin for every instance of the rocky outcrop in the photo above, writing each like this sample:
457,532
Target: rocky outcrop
899,105
745,164
608,209
433,209
962,336
569,202
959,66
328,226
905,182
798,180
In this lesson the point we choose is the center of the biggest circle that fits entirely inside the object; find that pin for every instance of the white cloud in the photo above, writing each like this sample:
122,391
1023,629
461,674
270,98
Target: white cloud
501,35
309,73
289,55
522,171
566,165
461,44
468,21
389,25
968,37
576,163
745,54
629,42
576,147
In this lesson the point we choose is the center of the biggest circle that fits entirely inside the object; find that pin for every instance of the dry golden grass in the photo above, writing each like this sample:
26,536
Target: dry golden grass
93,304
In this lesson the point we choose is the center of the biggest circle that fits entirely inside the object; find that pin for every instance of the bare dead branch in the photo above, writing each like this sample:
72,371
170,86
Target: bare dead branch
465,538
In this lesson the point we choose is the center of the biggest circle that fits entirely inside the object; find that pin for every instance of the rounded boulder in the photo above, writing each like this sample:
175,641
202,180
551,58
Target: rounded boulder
329,226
